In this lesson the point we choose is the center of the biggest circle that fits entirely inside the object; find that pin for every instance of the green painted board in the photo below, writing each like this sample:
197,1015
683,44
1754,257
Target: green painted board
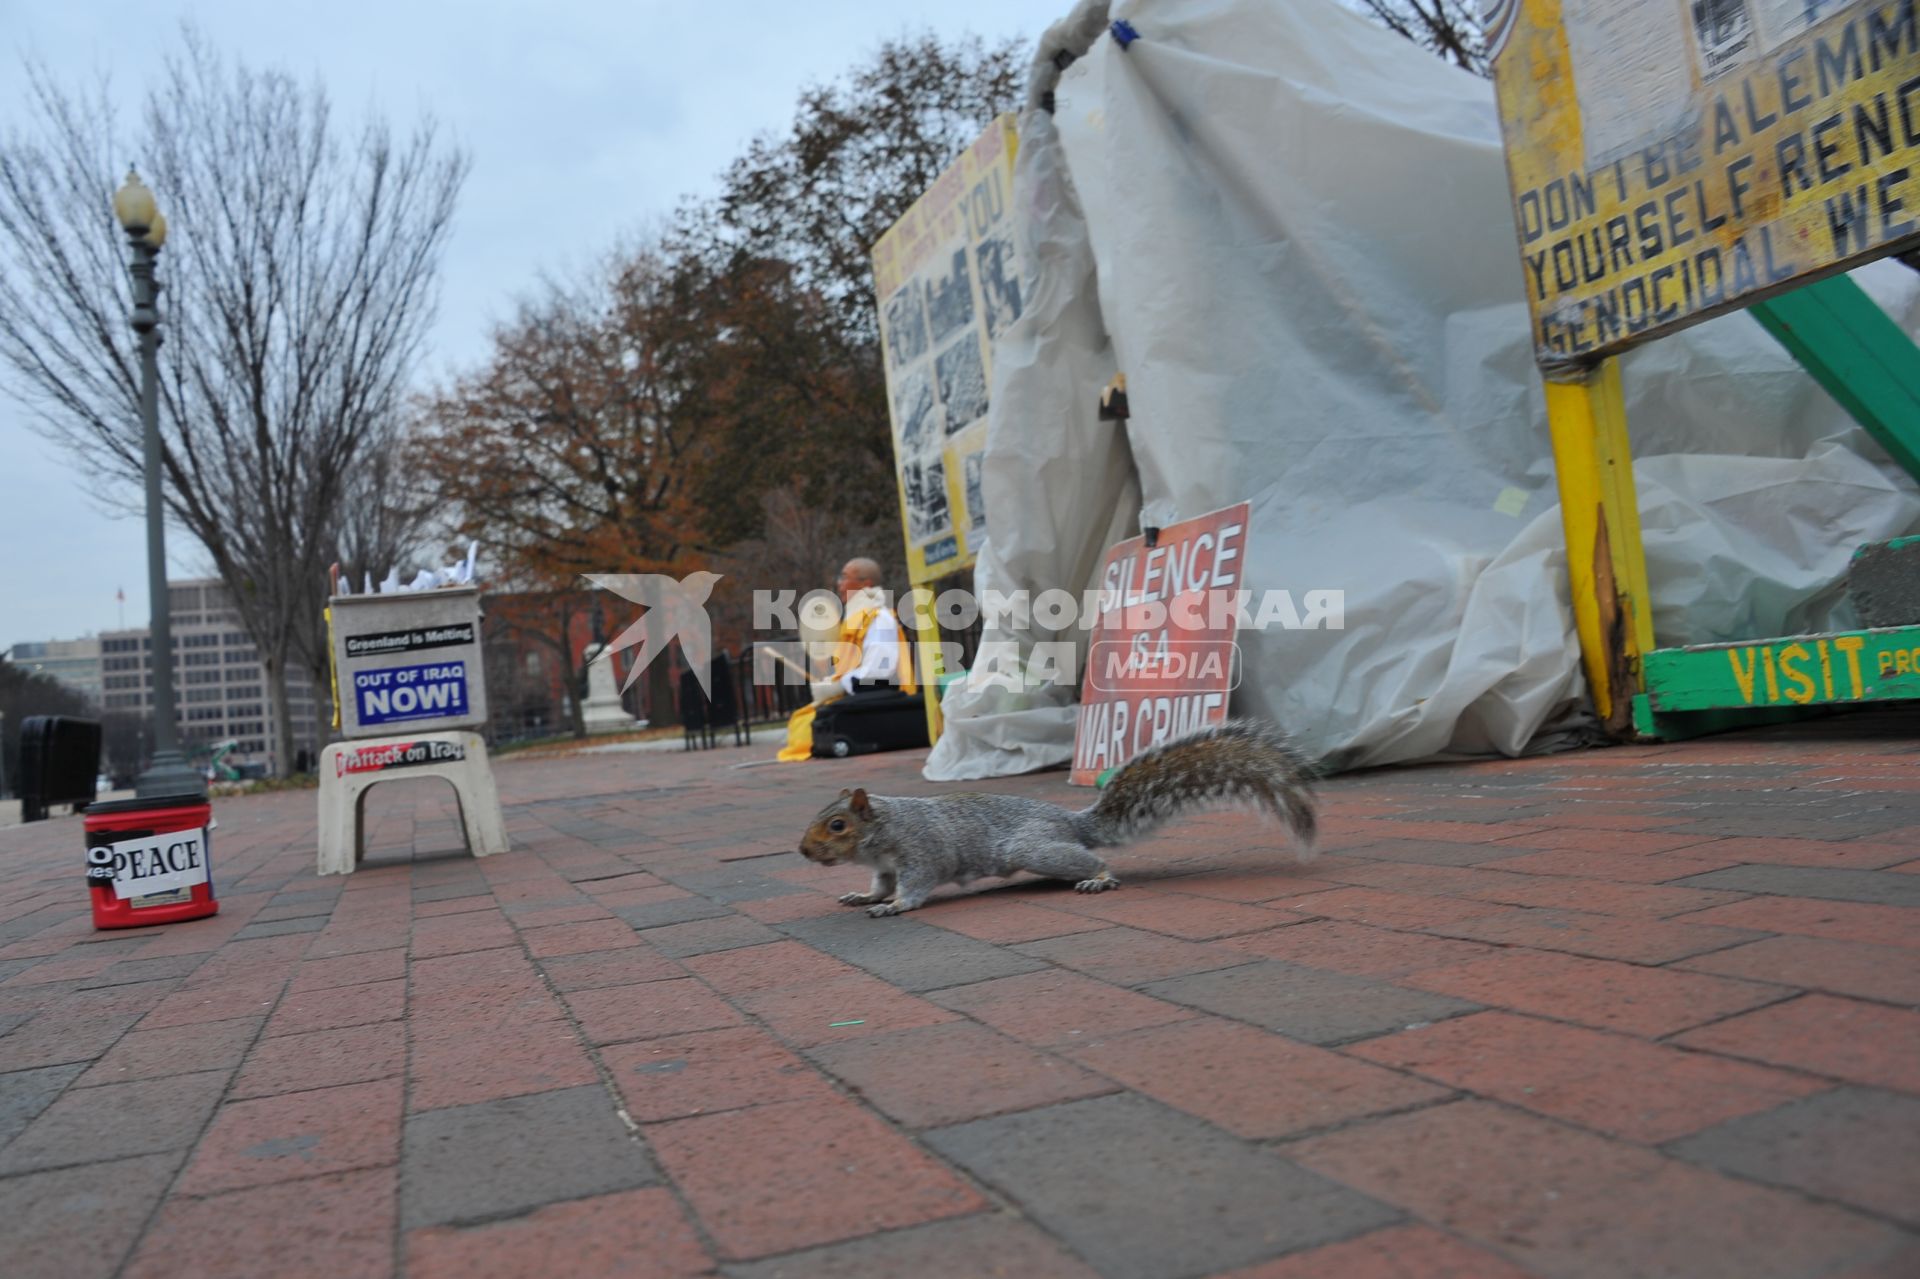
1895,544
1679,726
1858,354
1801,670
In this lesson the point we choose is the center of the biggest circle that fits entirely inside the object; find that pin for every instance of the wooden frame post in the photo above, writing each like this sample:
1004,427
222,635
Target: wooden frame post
927,666
1860,357
1606,565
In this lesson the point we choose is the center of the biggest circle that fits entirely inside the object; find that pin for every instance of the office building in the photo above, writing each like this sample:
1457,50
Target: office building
75,663
219,683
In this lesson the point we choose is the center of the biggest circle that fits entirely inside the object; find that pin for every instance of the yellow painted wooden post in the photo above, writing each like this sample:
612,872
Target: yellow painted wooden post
1606,563
961,218
927,666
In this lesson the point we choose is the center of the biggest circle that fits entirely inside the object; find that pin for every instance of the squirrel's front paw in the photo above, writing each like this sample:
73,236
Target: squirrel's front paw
856,899
884,908
1098,884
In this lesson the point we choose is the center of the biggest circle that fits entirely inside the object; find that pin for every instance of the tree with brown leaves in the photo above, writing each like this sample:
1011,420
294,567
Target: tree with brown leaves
582,445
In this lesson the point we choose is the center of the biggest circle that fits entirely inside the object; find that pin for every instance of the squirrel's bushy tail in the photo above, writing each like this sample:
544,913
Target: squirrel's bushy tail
1234,762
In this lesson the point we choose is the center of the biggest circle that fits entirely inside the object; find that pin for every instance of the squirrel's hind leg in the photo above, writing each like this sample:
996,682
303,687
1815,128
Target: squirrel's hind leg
1062,860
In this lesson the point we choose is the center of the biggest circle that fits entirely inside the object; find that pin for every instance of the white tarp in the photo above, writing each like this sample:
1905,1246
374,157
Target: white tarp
1291,230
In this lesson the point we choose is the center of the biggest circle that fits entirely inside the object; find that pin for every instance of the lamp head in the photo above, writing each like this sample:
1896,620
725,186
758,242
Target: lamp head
133,204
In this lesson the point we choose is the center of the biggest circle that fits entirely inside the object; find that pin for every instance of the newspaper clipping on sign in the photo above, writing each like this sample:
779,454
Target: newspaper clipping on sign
948,284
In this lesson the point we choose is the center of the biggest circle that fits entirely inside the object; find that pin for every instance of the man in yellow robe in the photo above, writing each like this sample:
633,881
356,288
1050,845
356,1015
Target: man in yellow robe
872,648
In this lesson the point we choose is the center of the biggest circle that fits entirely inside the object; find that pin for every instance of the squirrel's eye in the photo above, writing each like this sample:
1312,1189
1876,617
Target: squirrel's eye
836,825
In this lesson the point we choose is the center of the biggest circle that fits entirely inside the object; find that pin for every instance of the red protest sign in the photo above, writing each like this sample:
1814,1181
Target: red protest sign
1161,660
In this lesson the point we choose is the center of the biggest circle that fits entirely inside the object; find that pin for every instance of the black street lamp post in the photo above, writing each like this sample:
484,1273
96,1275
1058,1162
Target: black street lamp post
146,227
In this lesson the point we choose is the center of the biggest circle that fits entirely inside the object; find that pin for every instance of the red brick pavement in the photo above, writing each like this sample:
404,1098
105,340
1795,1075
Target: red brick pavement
1626,1012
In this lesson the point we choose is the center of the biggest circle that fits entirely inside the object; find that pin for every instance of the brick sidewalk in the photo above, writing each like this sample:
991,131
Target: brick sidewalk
1618,1013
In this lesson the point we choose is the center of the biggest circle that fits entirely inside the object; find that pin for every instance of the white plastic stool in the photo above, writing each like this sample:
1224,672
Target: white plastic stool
348,770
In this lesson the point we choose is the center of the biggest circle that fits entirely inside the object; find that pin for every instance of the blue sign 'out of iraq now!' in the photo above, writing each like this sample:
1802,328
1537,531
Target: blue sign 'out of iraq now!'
395,693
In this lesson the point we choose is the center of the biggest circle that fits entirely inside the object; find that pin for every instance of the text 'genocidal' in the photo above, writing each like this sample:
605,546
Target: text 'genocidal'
1799,159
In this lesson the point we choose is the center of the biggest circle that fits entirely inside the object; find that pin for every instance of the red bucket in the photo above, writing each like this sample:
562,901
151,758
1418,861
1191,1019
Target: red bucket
149,861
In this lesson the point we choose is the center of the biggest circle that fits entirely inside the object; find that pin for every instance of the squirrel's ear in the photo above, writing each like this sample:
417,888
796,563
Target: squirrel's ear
860,804
844,792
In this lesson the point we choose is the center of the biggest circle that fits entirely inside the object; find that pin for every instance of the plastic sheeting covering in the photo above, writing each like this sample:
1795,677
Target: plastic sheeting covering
1291,229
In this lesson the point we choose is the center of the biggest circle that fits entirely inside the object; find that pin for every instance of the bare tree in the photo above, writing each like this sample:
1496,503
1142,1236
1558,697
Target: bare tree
386,522
1450,28
301,277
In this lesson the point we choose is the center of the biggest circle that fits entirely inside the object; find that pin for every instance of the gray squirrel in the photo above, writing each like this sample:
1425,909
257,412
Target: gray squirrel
913,846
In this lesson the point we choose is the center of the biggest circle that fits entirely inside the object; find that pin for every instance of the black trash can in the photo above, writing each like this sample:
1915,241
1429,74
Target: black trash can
59,763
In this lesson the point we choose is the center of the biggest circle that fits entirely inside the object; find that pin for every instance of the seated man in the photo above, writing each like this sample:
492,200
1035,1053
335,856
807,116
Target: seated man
872,671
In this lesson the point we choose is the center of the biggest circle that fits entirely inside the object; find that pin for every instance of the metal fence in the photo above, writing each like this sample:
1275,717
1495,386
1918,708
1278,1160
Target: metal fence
734,700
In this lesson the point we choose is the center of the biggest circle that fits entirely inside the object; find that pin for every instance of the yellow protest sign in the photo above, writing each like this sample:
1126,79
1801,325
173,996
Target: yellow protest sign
1674,159
948,282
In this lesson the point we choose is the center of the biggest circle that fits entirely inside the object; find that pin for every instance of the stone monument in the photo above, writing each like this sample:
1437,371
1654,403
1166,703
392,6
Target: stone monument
603,712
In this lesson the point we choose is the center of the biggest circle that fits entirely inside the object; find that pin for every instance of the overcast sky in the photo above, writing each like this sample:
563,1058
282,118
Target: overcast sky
585,121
